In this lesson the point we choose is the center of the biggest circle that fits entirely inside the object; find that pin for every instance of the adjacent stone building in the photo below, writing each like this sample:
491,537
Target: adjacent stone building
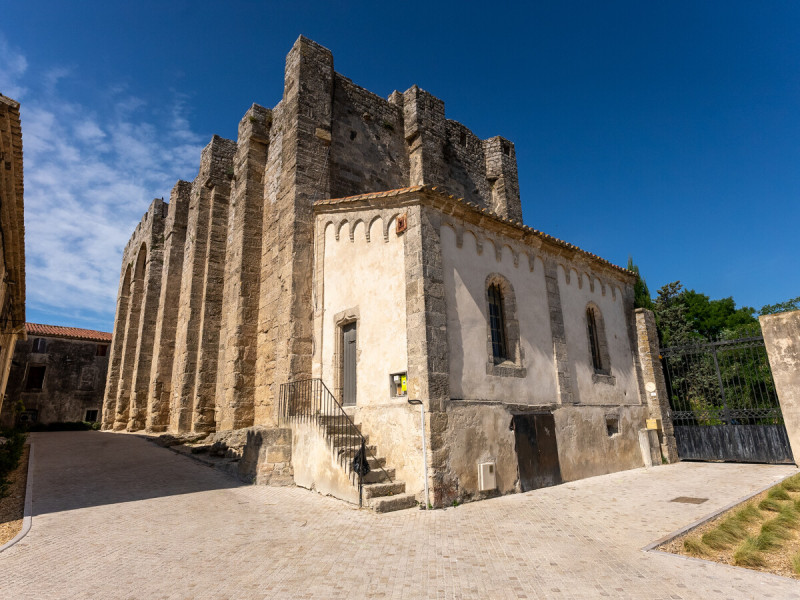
377,247
58,374
12,240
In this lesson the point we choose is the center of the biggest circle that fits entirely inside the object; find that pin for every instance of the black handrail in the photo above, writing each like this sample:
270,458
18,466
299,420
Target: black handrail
310,400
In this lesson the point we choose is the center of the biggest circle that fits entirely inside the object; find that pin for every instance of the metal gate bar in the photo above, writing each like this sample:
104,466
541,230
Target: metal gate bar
724,403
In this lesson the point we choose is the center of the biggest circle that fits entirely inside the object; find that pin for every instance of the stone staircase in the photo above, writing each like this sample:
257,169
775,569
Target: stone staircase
382,493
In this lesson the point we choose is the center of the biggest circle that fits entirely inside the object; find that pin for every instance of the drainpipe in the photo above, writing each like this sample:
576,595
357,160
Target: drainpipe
424,449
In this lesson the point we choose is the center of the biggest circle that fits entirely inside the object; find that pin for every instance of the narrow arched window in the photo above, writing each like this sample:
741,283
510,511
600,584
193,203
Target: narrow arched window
497,324
594,340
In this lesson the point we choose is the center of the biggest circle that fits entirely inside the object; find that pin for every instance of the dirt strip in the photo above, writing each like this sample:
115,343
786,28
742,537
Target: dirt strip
12,506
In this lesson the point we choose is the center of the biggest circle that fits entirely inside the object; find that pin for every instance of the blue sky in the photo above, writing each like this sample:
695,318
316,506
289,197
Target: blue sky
669,131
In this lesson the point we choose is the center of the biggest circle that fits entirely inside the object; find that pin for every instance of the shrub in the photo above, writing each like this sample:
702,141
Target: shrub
10,454
748,554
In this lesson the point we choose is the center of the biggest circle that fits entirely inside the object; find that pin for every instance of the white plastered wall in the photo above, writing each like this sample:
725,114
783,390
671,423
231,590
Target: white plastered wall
465,273
367,278
575,298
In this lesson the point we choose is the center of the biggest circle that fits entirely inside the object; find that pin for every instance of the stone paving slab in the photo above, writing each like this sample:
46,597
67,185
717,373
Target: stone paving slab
118,517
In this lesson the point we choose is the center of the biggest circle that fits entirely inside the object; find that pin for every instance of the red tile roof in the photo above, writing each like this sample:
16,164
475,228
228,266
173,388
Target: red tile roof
474,207
67,332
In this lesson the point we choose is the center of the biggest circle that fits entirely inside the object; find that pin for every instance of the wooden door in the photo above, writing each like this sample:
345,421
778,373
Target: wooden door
537,451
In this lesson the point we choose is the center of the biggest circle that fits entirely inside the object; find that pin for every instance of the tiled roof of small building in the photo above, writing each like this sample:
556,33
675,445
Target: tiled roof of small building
67,332
474,207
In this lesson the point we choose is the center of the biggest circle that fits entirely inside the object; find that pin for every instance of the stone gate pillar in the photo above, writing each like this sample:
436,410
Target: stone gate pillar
655,387
782,340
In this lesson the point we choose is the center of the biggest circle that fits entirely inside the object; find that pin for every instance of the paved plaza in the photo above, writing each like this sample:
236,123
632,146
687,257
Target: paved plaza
118,517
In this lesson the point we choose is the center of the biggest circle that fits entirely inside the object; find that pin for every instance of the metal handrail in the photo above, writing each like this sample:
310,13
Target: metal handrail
310,400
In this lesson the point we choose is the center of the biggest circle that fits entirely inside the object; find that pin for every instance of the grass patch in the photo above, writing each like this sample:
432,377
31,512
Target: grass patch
694,546
792,484
770,504
748,554
796,563
725,535
778,493
748,514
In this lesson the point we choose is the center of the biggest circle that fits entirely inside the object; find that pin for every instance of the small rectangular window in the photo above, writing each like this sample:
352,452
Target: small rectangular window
35,377
39,345
612,426
102,349
91,416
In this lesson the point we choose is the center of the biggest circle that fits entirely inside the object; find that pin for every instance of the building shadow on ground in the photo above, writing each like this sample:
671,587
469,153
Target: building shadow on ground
73,470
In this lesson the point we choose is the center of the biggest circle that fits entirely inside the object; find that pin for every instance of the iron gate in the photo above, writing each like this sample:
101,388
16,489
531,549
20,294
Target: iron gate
724,404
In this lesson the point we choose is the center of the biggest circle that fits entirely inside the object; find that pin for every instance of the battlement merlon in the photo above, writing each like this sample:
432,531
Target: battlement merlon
156,212
216,162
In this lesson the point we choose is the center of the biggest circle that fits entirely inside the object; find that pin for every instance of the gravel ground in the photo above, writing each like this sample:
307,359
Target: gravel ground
778,562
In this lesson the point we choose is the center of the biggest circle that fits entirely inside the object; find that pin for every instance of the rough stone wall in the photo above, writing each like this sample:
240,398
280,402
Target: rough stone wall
238,337
197,336
654,386
782,340
368,151
160,387
132,345
12,242
74,379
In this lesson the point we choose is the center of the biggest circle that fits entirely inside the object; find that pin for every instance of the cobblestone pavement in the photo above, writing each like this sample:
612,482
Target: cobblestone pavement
118,517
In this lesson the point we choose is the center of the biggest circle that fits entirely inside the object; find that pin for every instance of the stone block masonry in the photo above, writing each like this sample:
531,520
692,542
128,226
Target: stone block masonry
214,309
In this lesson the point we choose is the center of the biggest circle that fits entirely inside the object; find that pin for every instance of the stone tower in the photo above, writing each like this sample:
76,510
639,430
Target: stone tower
214,309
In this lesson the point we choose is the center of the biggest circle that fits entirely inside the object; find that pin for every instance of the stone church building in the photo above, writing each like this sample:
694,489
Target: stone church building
377,248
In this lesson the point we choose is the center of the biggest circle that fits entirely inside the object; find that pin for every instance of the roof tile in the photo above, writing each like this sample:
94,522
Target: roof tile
67,332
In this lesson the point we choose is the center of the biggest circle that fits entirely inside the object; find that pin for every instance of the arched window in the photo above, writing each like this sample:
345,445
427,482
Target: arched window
594,340
497,324
598,347
505,357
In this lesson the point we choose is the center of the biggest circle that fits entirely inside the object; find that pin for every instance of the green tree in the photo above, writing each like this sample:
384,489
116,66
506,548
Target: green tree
771,309
670,310
641,295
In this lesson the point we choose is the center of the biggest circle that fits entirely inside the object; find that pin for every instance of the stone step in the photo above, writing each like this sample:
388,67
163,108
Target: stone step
334,420
385,504
379,490
346,440
377,476
350,451
334,428
376,463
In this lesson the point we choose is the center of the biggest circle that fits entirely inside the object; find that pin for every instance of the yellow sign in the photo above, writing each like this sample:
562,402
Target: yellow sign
403,380
652,423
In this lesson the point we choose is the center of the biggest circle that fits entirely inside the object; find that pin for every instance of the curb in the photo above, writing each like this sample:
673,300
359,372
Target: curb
27,518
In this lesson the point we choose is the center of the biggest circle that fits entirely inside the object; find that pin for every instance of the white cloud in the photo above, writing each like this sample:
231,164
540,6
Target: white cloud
90,174
14,66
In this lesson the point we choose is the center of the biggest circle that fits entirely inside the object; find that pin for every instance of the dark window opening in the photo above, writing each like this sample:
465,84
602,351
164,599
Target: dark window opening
463,138
102,350
506,149
353,135
497,324
612,426
91,416
35,378
39,345
594,340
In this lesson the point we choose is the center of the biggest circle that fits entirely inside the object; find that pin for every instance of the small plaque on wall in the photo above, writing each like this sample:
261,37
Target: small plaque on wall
401,223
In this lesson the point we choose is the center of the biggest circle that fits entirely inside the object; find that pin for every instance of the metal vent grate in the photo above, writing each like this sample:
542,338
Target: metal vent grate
689,500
